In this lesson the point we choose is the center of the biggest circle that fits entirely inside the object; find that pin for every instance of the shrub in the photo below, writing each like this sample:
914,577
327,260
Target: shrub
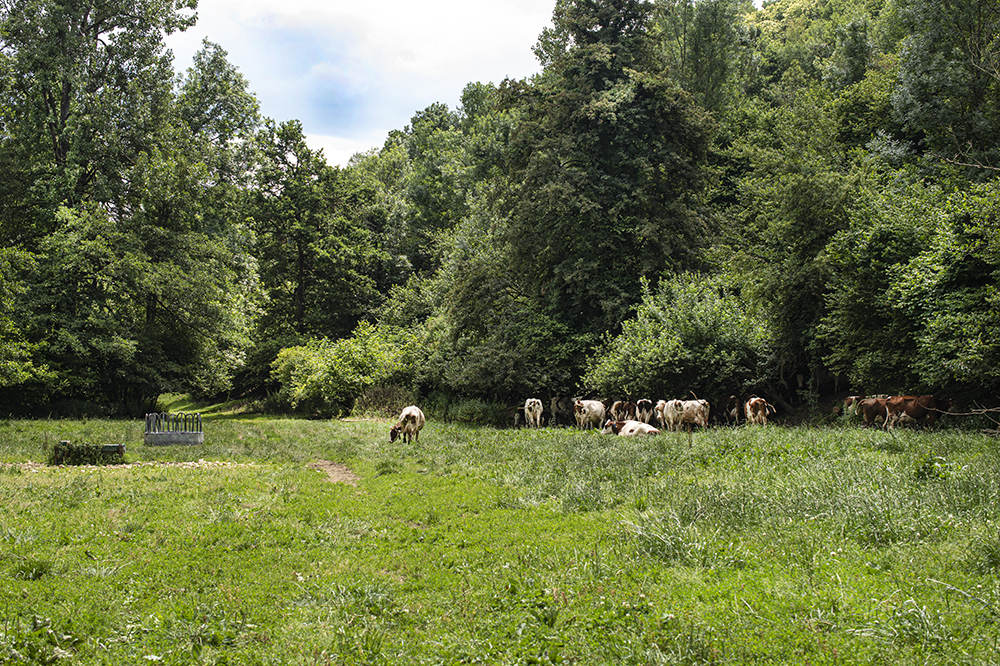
324,378
692,334
85,453
383,401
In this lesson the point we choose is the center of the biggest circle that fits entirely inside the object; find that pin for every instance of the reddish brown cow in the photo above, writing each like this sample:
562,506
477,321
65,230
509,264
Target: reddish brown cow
851,404
915,408
871,410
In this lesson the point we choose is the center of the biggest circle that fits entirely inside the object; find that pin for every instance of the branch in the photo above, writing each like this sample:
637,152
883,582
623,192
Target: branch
965,156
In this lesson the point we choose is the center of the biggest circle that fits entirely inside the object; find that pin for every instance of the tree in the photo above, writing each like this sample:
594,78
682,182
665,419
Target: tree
869,339
694,333
949,292
606,162
313,255
701,43
948,91
143,282
118,324
90,83
16,366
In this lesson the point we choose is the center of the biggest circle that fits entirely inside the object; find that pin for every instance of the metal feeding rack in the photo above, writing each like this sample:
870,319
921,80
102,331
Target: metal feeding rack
163,429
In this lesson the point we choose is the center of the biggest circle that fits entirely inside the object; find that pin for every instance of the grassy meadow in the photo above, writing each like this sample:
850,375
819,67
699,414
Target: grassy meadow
832,545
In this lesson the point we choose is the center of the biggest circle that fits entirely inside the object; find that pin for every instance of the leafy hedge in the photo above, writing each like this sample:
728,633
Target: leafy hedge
324,378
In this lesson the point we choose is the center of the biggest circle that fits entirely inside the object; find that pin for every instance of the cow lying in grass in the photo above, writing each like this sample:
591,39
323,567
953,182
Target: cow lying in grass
628,428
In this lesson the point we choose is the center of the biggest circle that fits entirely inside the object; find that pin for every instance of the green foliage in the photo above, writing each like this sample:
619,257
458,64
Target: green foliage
914,304
126,314
950,291
704,46
16,366
324,377
949,85
91,88
693,334
313,253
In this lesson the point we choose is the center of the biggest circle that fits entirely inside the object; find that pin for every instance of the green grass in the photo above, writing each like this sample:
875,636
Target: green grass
474,545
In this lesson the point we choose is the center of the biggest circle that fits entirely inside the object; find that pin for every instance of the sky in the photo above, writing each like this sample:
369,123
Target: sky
354,70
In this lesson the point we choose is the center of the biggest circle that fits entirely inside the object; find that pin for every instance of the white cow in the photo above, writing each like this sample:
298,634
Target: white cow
533,412
588,413
411,420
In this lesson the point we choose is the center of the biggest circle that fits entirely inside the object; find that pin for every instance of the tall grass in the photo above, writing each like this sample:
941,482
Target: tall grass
479,545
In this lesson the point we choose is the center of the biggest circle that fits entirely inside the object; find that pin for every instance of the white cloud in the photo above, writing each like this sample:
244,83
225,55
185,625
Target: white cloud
348,70
338,151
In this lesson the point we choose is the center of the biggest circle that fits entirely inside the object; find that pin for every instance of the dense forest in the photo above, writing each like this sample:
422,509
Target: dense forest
692,195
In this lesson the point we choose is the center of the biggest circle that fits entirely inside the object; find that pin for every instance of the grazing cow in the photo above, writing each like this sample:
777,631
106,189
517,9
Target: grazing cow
756,410
561,411
915,408
644,411
622,410
872,410
588,413
728,410
628,428
658,409
411,420
533,412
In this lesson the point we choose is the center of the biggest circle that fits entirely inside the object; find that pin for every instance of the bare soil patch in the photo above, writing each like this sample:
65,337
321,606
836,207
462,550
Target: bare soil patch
336,472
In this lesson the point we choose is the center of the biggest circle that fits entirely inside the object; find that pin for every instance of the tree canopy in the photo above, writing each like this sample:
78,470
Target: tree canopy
691,195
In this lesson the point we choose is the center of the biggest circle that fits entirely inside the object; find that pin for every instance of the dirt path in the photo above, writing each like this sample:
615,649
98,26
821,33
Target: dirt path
336,472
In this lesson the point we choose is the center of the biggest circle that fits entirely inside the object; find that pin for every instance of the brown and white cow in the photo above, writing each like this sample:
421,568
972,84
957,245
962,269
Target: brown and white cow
851,404
533,412
676,413
915,408
411,421
622,410
628,428
756,410
645,411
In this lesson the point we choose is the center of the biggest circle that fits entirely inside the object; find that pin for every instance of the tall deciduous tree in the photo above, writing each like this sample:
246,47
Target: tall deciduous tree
701,45
313,254
607,167
948,89
142,282
90,83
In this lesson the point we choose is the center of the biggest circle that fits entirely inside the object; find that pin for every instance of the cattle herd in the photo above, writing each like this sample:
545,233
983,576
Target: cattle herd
643,417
